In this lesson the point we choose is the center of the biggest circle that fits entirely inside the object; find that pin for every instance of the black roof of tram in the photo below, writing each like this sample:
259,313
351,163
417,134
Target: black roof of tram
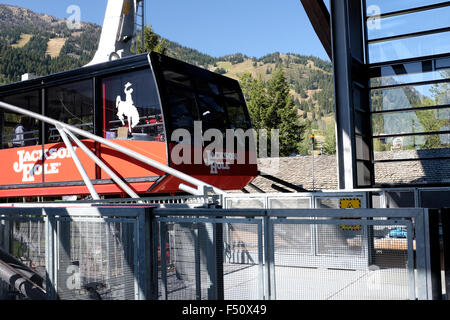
128,63
120,65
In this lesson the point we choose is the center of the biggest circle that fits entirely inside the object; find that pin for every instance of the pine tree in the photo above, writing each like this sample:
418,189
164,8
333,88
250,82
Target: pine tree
330,140
271,106
153,42
256,96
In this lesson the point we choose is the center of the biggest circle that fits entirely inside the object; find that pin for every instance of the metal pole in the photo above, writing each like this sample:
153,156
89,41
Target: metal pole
102,165
143,26
155,164
312,142
80,168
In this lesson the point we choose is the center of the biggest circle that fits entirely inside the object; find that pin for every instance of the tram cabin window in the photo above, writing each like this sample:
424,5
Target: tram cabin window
237,113
194,94
72,104
131,108
18,130
182,108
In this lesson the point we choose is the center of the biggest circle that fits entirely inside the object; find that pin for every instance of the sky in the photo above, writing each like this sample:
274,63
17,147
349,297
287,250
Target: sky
215,27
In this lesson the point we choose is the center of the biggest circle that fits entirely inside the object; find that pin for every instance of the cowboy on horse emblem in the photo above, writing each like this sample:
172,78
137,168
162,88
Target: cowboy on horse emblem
127,108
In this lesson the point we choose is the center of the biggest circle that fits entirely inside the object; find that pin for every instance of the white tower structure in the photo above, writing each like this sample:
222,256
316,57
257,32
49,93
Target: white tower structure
119,30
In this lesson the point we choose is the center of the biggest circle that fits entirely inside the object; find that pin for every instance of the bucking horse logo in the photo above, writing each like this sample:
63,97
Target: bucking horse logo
127,108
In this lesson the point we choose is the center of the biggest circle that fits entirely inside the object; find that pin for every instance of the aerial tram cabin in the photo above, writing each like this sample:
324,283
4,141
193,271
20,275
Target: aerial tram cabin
138,102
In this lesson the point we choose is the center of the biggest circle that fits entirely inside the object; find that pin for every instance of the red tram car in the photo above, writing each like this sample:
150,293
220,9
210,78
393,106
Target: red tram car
138,102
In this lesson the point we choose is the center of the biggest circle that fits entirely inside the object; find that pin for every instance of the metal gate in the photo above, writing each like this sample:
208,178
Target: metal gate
83,253
208,258
342,263
284,254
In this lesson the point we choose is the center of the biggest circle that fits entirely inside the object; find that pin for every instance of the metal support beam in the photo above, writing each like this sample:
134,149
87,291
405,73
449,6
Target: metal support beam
320,19
256,188
280,189
342,64
77,161
282,182
103,166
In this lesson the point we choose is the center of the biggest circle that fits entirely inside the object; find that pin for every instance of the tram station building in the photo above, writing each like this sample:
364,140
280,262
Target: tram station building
391,74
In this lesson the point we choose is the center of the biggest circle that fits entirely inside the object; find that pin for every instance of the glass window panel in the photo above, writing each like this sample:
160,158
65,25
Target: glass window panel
361,126
407,97
375,7
182,108
72,104
180,78
407,147
434,198
238,117
411,122
18,130
362,149
131,102
229,86
414,47
413,72
207,85
212,112
400,199
363,174
408,23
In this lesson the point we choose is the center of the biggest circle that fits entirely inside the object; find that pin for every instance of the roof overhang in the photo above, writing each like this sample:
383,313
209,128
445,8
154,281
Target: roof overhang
320,19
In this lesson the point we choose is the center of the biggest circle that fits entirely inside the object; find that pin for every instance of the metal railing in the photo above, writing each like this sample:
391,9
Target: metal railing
414,197
137,251
82,253
66,130
301,200
292,254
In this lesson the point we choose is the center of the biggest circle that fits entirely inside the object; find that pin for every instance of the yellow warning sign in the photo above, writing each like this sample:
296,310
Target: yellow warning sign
351,227
350,204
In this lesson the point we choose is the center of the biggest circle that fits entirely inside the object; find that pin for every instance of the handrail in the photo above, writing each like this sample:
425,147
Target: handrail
202,186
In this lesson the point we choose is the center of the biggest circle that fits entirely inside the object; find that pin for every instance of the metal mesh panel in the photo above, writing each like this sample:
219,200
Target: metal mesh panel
390,246
25,240
28,244
187,265
4,287
325,203
245,203
342,239
96,260
242,272
290,238
334,261
189,268
290,203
